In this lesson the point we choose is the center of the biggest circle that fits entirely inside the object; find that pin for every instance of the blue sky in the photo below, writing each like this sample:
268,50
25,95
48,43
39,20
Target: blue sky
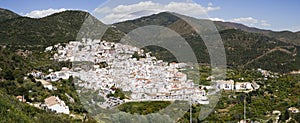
267,14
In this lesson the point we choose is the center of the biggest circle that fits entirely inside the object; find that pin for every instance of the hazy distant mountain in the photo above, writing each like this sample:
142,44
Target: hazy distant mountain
246,47
286,36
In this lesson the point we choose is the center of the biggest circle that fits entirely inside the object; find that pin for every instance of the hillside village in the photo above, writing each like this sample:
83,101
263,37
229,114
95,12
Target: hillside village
106,66
147,78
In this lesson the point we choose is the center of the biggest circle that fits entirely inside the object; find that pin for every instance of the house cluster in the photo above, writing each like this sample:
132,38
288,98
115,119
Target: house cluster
52,77
55,76
230,85
146,77
111,102
52,103
36,74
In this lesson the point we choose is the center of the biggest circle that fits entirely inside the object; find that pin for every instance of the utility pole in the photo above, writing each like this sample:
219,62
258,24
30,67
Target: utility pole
191,110
245,109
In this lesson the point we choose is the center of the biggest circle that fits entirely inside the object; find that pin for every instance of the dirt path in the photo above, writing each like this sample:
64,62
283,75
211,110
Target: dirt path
271,51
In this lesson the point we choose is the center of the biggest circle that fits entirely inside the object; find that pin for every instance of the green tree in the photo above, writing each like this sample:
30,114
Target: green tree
285,116
9,75
136,55
20,80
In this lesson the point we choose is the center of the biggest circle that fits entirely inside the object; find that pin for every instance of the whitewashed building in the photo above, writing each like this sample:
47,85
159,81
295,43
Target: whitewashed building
53,103
293,110
243,86
225,84
46,84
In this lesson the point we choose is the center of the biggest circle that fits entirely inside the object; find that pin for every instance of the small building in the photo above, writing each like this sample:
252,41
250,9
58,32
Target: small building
46,84
52,77
21,98
36,74
276,112
53,103
48,48
210,78
225,84
255,85
243,86
293,110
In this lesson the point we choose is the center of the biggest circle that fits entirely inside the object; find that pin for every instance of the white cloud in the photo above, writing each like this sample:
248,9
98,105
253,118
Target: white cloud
103,10
47,12
43,13
217,19
135,7
125,12
192,9
249,21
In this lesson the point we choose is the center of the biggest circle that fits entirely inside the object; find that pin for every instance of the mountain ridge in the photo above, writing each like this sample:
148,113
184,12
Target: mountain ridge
285,35
241,46
48,30
6,14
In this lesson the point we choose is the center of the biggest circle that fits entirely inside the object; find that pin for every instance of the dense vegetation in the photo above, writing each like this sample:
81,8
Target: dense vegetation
7,14
286,36
14,67
277,93
57,28
143,108
12,110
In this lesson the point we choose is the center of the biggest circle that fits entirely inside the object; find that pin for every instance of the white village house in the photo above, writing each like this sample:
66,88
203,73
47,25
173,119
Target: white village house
46,84
55,104
293,110
225,84
243,86
238,86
